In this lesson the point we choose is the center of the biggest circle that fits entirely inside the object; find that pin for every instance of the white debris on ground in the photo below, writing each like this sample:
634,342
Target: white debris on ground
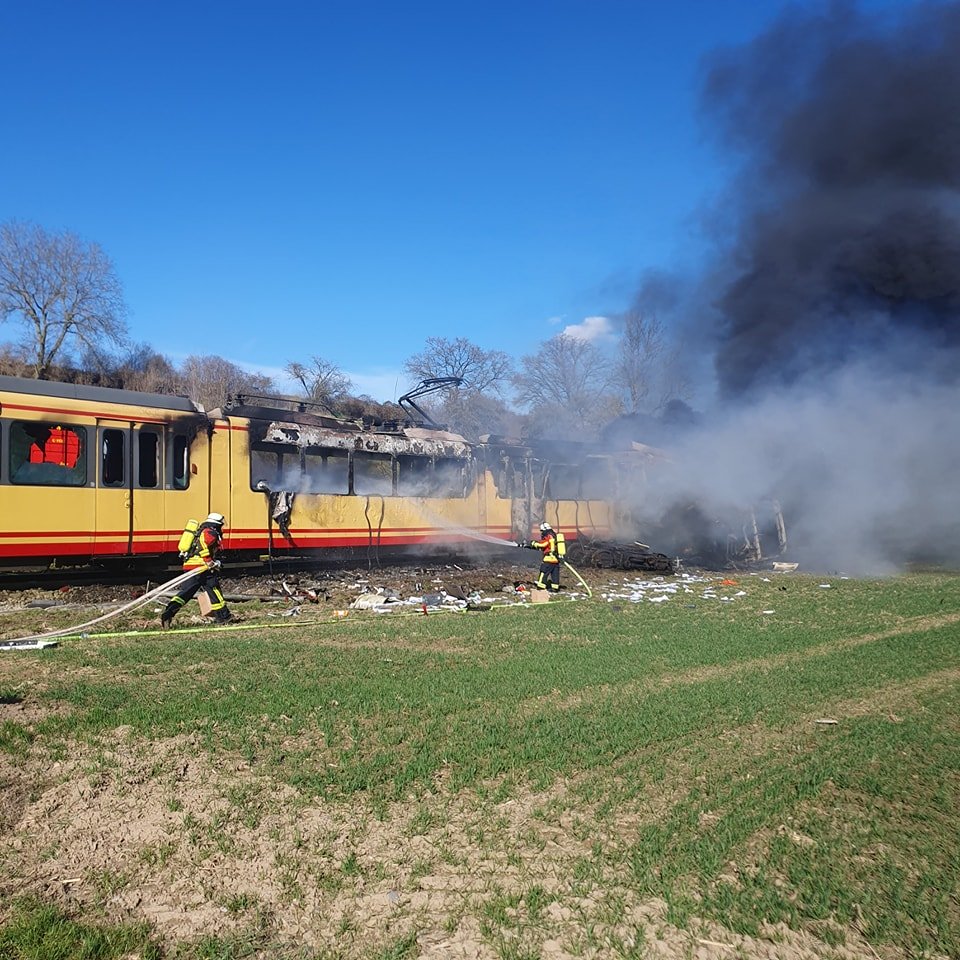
684,585
384,600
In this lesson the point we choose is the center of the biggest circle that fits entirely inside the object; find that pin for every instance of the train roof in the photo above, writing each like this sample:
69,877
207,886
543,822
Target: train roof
76,391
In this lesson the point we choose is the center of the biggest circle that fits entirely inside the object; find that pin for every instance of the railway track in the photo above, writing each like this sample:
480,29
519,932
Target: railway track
242,579
256,572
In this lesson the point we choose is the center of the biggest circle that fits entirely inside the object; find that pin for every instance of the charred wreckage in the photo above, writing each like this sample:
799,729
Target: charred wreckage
595,492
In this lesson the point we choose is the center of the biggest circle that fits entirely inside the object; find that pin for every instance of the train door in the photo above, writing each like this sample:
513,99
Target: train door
187,492
149,502
130,517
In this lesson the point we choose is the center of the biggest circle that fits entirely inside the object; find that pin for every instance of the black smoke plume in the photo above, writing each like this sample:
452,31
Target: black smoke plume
846,228
835,297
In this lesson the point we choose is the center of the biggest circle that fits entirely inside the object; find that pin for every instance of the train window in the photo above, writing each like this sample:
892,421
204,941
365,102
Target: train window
48,454
111,458
563,482
180,462
278,465
326,471
372,473
449,478
148,459
597,479
414,477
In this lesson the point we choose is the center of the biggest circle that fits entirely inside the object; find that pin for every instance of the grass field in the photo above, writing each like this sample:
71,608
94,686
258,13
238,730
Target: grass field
777,774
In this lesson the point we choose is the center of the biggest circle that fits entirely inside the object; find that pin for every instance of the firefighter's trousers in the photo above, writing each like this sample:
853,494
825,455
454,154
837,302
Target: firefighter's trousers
549,577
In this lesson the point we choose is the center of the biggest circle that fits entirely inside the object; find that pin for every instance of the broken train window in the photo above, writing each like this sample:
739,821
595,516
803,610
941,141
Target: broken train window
414,476
372,473
48,454
597,479
326,471
512,479
562,482
422,476
277,465
449,478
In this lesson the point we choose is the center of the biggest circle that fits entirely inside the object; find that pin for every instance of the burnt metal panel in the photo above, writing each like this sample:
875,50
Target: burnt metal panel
410,442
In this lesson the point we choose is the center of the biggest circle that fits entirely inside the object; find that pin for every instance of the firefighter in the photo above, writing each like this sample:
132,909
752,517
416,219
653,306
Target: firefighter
202,555
552,545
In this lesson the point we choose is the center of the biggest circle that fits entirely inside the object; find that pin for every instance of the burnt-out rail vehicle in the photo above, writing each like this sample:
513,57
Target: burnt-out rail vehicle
109,477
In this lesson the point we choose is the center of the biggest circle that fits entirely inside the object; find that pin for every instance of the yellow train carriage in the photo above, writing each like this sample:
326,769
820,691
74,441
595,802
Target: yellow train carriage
89,473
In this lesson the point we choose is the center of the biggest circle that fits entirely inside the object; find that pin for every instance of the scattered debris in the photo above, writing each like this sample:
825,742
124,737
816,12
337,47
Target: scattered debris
31,645
659,589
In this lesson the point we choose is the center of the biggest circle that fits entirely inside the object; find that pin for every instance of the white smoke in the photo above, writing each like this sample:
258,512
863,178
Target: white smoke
865,464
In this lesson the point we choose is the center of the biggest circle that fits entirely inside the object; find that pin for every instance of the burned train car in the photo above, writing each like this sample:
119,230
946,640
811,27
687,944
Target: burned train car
312,481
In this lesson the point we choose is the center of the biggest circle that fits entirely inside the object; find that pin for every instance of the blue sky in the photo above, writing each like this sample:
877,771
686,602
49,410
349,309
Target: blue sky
276,181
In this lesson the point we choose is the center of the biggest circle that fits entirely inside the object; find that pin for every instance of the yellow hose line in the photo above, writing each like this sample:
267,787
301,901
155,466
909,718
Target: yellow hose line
583,582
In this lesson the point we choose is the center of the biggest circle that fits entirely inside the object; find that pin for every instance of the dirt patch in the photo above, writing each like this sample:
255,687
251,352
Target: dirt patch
204,845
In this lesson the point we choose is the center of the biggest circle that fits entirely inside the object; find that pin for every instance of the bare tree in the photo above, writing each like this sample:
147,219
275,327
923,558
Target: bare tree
480,370
13,363
641,347
142,368
565,384
323,382
647,370
210,380
475,406
63,289
472,414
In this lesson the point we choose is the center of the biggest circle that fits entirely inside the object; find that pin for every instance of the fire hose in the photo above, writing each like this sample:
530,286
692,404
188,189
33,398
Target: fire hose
40,640
583,583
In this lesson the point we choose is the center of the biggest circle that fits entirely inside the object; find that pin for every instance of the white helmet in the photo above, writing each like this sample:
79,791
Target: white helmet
216,518
544,527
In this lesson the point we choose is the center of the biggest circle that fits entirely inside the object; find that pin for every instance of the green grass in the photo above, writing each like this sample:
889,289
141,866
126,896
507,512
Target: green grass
692,721
36,931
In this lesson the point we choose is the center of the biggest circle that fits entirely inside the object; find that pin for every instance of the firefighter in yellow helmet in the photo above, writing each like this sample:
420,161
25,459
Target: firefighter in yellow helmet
553,547
203,556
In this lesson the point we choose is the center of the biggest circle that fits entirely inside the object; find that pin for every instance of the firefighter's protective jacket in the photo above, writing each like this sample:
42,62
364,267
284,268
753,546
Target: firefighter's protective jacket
206,545
549,547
